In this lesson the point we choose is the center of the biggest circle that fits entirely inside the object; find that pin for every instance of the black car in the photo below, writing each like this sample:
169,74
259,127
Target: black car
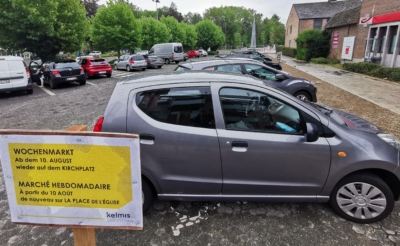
251,52
267,62
59,72
300,88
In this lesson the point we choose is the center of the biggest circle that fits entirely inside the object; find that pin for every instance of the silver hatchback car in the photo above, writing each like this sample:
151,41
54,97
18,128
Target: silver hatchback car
130,63
227,137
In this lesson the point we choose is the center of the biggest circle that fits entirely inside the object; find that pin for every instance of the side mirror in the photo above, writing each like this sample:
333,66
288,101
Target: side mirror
312,134
280,76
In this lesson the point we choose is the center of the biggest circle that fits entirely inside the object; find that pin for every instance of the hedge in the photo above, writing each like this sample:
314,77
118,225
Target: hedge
286,51
322,60
374,70
212,53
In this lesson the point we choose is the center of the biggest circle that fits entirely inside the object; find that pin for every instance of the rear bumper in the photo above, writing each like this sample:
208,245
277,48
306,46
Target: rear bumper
99,72
138,67
68,79
15,89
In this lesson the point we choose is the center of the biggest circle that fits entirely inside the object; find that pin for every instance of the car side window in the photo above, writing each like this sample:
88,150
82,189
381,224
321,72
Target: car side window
83,62
179,106
259,72
247,110
209,68
230,68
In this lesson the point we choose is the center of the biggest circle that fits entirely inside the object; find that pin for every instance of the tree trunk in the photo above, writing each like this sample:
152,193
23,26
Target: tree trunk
119,51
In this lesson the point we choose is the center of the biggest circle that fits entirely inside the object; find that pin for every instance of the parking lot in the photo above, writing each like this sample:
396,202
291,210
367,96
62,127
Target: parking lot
176,223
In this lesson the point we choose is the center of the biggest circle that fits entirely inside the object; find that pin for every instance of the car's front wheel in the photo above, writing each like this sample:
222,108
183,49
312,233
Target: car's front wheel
53,84
167,61
115,67
303,95
128,68
362,198
147,196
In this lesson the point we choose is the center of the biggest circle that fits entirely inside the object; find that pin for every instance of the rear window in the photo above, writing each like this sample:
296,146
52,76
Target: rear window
179,69
178,49
138,58
67,64
98,61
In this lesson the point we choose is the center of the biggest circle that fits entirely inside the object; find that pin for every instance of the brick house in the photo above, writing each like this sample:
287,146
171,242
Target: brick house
376,40
305,16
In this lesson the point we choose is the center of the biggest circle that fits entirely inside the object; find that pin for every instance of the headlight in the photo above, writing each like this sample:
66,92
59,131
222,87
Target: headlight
390,139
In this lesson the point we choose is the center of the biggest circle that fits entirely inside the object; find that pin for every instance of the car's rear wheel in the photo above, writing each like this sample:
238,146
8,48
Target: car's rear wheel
167,61
128,68
303,95
159,66
86,75
147,196
83,82
53,84
362,198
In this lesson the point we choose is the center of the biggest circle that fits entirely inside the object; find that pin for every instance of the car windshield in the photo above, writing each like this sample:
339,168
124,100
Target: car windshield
178,49
67,65
98,61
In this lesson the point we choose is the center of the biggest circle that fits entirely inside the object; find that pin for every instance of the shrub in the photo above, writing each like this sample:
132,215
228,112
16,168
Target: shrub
112,62
212,53
363,67
374,70
395,75
286,51
312,44
322,60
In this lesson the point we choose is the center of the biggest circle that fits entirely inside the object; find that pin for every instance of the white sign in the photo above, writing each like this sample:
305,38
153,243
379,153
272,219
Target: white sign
348,48
366,20
72,178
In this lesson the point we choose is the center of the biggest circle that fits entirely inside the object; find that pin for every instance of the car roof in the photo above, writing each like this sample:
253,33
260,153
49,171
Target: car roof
188,77
11,58
220,61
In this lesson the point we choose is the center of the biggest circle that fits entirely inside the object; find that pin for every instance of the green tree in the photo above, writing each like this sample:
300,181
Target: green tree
190,34
177,32
312,43
115,27
209,35
44,27
192,18
154,32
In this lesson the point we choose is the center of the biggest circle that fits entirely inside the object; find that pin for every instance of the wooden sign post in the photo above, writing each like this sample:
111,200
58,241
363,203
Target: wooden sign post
75,179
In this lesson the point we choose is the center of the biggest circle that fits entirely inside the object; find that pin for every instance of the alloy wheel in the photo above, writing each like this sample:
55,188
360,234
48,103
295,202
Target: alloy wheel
302,97
361,200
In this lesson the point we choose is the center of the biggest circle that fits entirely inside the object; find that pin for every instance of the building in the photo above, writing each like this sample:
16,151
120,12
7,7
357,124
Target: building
305,16
374,29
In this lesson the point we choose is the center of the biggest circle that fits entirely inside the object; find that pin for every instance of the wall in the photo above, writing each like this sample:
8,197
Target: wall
293,21
344,31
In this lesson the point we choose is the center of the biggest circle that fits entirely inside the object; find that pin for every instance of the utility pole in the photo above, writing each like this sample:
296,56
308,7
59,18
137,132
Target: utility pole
157,1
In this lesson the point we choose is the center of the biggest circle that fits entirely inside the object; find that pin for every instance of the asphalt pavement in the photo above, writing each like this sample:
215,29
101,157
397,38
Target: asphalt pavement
175,223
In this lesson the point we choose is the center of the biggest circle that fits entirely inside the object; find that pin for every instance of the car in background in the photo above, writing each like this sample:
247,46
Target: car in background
193,53
169,52
300,88
203,52
154,61
79,58
142,52
274,65
251,52
227,137
131,63
95,66
95,53
62,72
14,75
185,57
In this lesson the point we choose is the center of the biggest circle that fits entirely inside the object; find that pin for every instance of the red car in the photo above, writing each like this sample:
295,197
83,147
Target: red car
193,53
95,66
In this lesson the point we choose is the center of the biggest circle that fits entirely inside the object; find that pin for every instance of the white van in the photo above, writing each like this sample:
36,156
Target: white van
169,52
14,75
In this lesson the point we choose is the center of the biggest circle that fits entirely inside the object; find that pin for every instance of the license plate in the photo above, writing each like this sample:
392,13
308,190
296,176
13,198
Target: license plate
72,78
4,81
103,72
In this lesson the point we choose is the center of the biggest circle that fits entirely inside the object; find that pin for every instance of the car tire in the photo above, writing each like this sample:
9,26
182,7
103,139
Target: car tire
143,69
53,85
377,196
147,196
82,82
115,67
159,66
29,91
303,95
128,68
167,61
86,75
177,62
108,75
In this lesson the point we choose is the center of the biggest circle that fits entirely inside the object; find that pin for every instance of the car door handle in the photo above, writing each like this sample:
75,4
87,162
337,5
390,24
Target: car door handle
147,139
239,146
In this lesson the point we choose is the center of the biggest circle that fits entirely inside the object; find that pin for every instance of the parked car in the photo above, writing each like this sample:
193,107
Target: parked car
203,52
225,137
95,67
300,88
60,72
79,58
193,53
154,61
131,63
169,52
142,52
251,52
274,65
95,53
14,75
185,57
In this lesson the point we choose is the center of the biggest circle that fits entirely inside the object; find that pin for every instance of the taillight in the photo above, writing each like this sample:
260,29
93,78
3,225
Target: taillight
131,61
55,72
99,125
173,54
28,73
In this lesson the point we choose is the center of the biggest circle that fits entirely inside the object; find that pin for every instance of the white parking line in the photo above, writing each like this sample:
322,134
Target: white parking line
46,90
90,83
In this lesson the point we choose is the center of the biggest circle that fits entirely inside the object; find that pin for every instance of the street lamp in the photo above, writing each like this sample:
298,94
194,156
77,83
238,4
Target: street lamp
157,1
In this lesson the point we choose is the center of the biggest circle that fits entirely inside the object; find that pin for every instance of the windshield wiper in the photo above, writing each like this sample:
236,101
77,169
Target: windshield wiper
327,111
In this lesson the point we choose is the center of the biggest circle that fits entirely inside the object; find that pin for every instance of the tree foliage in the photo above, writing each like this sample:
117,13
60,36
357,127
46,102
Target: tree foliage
209,35
154,32
91,7
192,18
44,27
115,27
190,35
173,11
177,34
312,44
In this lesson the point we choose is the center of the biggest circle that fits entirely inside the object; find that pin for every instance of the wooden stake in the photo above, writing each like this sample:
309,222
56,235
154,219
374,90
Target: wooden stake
83,236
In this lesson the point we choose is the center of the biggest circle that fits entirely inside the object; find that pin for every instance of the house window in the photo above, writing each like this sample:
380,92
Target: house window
290,29
382,39
372,38
317,24
392,38
290,41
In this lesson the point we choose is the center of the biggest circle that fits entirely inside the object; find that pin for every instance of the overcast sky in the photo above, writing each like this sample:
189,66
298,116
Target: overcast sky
266,7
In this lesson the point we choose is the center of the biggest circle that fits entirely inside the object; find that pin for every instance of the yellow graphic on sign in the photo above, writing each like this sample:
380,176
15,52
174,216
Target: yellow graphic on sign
71,175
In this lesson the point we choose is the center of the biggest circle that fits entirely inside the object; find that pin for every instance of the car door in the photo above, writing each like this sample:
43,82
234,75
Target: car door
179,142
263,73
18,73
263,148
33,68
5,82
